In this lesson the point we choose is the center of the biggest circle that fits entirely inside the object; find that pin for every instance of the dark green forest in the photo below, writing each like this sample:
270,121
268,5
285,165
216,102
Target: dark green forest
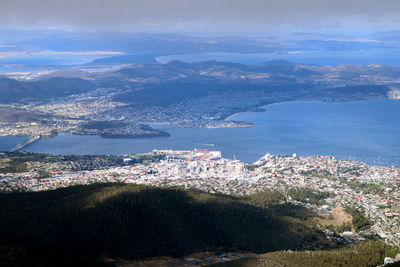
82,225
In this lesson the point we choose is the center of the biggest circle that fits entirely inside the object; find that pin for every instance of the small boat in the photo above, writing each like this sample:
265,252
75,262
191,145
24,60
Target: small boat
209,144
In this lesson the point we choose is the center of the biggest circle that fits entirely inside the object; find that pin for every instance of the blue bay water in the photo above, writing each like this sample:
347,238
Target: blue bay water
29,63
7,142
364,130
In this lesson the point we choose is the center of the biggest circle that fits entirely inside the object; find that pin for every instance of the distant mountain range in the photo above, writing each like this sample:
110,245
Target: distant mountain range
153,43
177,80
125,59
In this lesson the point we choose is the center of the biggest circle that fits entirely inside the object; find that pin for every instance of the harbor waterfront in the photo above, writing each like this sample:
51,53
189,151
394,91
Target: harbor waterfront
341,129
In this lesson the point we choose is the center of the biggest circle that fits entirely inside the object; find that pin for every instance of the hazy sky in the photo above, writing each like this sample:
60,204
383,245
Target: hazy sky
204,15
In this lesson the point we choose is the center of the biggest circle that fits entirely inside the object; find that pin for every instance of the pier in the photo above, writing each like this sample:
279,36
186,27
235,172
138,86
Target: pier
30,140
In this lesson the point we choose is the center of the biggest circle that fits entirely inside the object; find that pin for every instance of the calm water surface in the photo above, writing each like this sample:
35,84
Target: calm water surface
7,143
365,130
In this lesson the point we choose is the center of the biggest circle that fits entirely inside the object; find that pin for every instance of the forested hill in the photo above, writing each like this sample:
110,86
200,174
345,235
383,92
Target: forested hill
14,91
85,224
177,81
367,253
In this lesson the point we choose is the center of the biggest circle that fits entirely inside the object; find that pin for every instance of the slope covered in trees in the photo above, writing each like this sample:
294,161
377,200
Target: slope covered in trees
88,223
15,91
369,253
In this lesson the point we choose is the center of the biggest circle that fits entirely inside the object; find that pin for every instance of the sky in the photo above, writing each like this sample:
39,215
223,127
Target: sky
203,16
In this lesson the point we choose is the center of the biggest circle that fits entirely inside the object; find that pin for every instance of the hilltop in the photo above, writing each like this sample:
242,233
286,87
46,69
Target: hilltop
85,224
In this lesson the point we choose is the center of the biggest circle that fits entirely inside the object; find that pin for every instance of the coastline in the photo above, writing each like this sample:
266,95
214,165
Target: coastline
231,142
136,136
256,108
229,118
259,109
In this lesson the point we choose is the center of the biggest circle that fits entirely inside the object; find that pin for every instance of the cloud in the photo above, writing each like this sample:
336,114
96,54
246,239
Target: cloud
205,15
179,25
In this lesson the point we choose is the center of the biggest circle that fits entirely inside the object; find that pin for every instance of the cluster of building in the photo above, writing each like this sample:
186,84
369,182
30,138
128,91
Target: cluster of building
372,189
44,128
70,114
209,111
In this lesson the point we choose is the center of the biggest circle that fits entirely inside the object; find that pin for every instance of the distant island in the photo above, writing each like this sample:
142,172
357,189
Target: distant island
118,129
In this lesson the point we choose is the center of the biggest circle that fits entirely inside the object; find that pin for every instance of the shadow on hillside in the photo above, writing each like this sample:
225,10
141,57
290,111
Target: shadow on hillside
128,221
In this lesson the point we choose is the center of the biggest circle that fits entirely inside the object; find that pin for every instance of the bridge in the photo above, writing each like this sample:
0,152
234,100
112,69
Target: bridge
30,140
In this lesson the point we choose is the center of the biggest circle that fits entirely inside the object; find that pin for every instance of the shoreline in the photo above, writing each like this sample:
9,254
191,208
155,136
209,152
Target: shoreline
256,108
371,163
249,157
